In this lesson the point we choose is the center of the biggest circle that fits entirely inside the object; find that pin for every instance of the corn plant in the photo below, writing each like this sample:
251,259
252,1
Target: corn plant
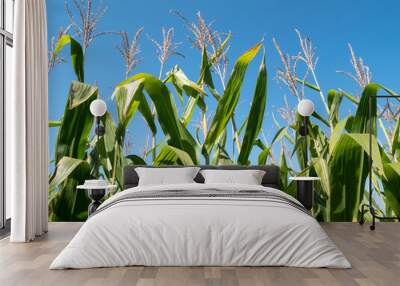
338,143
341,158
77,158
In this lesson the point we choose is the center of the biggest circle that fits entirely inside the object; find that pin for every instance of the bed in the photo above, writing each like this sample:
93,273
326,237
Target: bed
201,224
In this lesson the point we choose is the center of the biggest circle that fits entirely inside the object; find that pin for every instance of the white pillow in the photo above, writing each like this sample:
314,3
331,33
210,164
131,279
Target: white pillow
248,177
166,176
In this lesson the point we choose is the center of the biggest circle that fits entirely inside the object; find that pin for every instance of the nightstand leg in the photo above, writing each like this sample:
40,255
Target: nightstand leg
93,207
96,195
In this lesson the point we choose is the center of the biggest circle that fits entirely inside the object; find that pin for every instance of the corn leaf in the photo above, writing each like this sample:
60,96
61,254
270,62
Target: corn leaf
170,155
363,141
54,123
77,121
227,103
221,48
183,84
205,75
284,174
136,160
320,118
189,109
348,167
66,167
109,135
127,101
179,136
350,97
321,168
307,84
334,101
220,151
68,203
145,111
391,184
361,122
77,58
256,115
395,144
263,156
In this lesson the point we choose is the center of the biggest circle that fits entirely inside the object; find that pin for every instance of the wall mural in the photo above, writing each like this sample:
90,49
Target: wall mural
337,142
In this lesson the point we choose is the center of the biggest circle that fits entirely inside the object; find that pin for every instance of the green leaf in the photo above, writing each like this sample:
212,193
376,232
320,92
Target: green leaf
348,167
127,98
266,151
279,135
284,173
389,91
320,118
77,58
227,104
395,144
221,48
220,155
361,122
334,101
145,110
66,167
391,185
350,97
193,90
80,93
68,203
259,144
256,115
109,135
363,141
189,110
170,155
321,168
243,126
205,75
319,143
136,160
54,123
263,156
338,130
182,83
167,114
72,141
307,84
76,123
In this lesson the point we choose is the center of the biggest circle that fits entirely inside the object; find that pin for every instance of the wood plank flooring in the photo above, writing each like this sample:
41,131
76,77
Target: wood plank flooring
375,257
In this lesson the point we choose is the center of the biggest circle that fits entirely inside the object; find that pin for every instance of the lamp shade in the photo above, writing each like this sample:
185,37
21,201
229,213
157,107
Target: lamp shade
98,107
305,107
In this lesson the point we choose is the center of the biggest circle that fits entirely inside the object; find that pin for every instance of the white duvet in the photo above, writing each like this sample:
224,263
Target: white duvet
200,231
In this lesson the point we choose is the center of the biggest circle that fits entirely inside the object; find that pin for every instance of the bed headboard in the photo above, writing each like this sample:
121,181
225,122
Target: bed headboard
270,179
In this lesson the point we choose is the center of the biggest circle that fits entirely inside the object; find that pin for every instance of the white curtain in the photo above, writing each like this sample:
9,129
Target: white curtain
26,124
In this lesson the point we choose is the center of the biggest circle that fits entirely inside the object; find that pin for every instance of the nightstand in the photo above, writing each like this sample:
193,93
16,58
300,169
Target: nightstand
305,190
96,193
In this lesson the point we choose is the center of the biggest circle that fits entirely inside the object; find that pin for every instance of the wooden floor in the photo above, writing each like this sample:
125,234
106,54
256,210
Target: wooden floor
375,257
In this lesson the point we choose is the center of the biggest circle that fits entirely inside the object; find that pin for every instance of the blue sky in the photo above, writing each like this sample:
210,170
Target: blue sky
370,26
